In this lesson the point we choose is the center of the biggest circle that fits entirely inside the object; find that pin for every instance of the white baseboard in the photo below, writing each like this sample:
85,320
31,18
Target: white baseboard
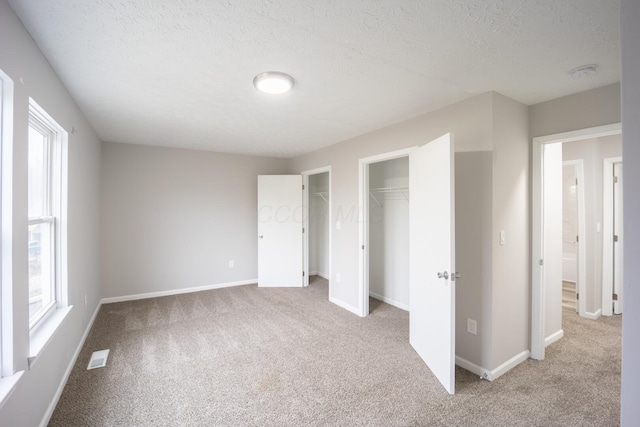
177,291
389,301
319,273
472,367
346,306
593,316
509,364
553,338
496,373
65,377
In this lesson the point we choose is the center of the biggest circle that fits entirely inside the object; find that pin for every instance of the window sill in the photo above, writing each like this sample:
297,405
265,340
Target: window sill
45,332
7,385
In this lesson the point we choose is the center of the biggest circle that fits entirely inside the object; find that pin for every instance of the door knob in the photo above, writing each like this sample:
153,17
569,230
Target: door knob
445,275
260,236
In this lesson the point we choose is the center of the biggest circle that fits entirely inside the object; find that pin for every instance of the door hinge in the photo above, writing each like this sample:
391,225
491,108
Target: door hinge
302,230
363,247
615,237
614,297
577,295
303,274
576,181
577,239
615,179
303,186
541,262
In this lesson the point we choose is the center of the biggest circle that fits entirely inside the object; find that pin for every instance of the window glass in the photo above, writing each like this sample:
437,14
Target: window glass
37,173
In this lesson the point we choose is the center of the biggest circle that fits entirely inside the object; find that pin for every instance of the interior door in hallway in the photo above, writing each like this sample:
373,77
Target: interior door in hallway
280,231
432,260
618,237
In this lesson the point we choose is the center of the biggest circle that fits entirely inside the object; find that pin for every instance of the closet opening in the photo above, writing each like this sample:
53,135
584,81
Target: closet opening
385,198
317,229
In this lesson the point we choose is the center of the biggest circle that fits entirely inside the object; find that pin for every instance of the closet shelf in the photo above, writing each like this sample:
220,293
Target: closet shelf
324,195
381,190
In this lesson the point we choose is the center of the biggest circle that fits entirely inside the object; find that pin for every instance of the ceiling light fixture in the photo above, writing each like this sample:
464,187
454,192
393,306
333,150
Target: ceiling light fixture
273,82
583,71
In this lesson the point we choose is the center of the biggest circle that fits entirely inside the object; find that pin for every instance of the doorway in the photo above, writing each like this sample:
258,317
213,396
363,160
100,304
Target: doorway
573,226
317,221
384,198
547,264
389,232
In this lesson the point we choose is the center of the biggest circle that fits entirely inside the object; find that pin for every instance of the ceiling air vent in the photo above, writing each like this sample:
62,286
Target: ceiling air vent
98,359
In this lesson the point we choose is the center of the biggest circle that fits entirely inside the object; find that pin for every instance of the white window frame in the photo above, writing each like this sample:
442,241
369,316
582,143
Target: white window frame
50,208
43,327
6,225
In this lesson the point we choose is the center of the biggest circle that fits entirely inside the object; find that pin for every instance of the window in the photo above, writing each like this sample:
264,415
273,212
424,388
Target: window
47,287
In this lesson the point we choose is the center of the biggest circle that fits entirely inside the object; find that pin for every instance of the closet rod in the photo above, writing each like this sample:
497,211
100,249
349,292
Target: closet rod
323,195
403,190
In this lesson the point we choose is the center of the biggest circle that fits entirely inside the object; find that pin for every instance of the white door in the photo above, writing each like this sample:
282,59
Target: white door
280,216
552,239
432,261
617,237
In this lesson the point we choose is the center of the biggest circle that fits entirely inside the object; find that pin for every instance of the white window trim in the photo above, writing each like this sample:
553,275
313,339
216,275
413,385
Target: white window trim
8,377
6,224
43,331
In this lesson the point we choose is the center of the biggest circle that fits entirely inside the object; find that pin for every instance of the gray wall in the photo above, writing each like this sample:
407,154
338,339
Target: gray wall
21,59
593,152
583,110
474,254
173,219
511,212
630,10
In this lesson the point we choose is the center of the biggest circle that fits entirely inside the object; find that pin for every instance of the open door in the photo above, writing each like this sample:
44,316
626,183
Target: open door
617,238
432,261
552,241
280,231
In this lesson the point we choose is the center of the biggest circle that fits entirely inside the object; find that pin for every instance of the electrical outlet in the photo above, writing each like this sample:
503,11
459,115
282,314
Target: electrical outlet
503,237
472,326
231,264
86,301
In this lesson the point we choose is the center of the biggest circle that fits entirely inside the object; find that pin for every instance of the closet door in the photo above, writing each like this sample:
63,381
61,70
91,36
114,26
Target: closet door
280,261
432,262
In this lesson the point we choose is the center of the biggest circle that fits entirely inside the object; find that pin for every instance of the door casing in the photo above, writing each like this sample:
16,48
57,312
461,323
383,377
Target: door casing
305,202
363,214
537,252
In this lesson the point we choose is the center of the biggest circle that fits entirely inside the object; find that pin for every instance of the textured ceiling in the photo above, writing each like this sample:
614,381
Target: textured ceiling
179,73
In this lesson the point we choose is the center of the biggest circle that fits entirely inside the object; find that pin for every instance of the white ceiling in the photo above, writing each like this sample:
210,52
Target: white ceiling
179,73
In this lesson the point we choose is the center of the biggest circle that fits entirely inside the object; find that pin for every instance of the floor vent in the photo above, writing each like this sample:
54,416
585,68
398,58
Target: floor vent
98,359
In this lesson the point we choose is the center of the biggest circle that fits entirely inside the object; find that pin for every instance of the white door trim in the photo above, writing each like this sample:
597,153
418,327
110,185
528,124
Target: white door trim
582,233
305,203
363,196
537,255
607,234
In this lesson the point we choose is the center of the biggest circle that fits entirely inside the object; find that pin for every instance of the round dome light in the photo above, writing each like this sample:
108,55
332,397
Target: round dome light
273,82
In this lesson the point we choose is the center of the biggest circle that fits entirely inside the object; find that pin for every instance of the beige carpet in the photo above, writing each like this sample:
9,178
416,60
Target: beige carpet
249,356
